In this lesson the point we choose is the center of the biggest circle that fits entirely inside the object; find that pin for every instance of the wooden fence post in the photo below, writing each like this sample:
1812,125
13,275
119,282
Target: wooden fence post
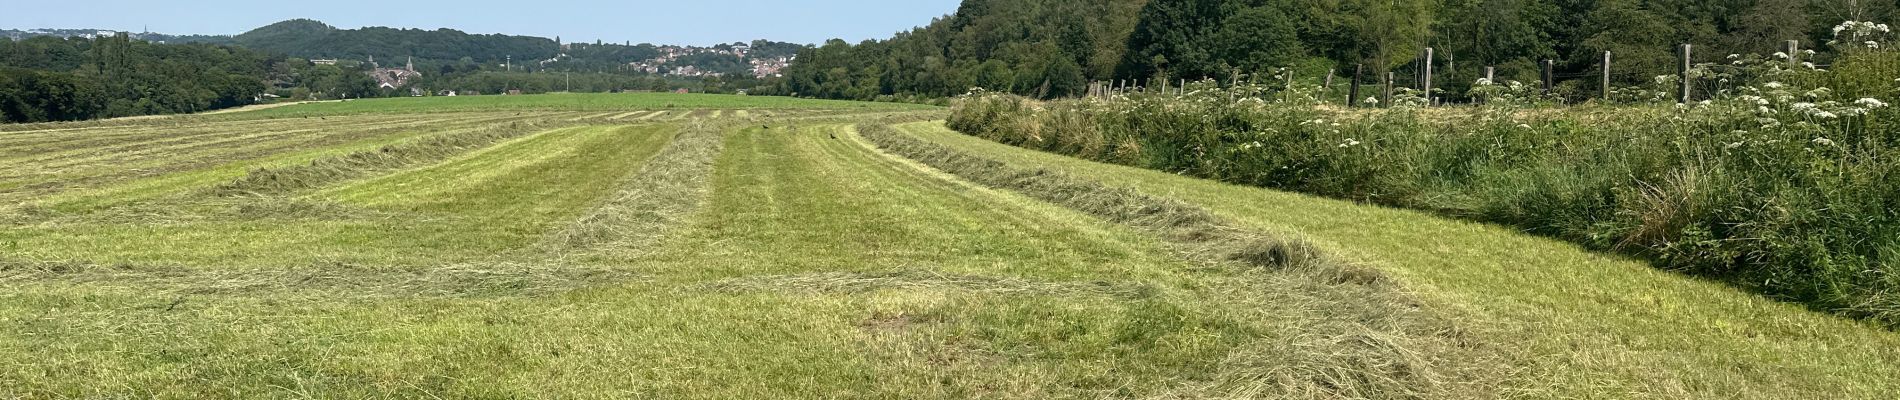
1687,88
1606,76
1327,89
1550,76
1389,77
1427,81
1794,53
1358,73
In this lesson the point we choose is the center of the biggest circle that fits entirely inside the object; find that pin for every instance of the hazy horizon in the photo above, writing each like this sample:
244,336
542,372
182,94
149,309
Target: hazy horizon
682,23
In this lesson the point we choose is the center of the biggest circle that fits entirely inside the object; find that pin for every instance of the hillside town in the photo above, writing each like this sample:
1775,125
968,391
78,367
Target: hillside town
671,60
667,63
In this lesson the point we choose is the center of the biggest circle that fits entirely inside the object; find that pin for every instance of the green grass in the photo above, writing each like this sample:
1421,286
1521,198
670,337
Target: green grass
463,210
573,102
1590,325
776,253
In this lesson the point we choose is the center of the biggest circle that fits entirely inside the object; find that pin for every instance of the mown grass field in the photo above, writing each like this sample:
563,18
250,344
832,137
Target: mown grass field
772,248
578,102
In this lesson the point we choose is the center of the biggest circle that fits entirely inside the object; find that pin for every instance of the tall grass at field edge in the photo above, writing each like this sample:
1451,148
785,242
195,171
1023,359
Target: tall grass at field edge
1803,210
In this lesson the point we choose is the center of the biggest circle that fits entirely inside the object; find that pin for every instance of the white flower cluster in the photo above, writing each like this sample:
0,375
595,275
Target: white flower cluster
1860,34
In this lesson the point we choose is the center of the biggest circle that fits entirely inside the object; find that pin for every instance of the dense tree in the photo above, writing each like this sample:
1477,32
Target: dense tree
1015,46
1010,45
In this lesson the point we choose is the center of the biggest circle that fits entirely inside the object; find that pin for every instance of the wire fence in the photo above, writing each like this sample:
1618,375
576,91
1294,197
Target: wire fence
1444,80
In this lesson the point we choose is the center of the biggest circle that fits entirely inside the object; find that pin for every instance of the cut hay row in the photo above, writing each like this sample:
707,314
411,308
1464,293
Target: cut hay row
335,169
625,115
592,116
451,179
143,137
99,168
177,183
667,190
169,145
325,281
648,117
1588,325
1407,354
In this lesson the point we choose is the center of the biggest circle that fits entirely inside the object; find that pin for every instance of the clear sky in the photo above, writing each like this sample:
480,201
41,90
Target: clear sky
694,22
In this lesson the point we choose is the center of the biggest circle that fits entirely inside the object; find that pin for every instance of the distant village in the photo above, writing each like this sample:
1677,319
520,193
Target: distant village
666,64
159,38
663,65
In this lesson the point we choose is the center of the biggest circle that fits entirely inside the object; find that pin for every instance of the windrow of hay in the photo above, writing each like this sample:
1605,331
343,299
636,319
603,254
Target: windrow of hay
326,279
1178,222
667,190
1352,334
857,282
323,171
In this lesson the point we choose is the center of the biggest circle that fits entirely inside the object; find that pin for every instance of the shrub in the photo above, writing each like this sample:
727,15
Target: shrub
1780,184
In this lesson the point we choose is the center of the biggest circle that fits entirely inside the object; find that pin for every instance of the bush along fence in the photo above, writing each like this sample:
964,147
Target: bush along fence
1783,182
1686,76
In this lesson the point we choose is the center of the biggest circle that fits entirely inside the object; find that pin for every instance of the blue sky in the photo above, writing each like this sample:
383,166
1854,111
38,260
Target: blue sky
698,22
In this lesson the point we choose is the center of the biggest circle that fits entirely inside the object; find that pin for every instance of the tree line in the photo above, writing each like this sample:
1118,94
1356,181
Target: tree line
52,78
1054,48
55,79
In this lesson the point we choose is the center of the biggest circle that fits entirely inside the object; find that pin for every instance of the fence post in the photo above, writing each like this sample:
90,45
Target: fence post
1389,77
1687,89
1606,76
1550,76
1327,89
1427,84
1358,73
1794,49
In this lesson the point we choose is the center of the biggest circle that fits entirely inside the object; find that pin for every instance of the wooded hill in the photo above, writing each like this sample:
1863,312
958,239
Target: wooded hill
1053,48
53,75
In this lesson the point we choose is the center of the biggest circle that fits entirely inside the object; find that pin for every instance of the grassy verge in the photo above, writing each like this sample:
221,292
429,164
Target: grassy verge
1379,345
1786,197
1593,326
